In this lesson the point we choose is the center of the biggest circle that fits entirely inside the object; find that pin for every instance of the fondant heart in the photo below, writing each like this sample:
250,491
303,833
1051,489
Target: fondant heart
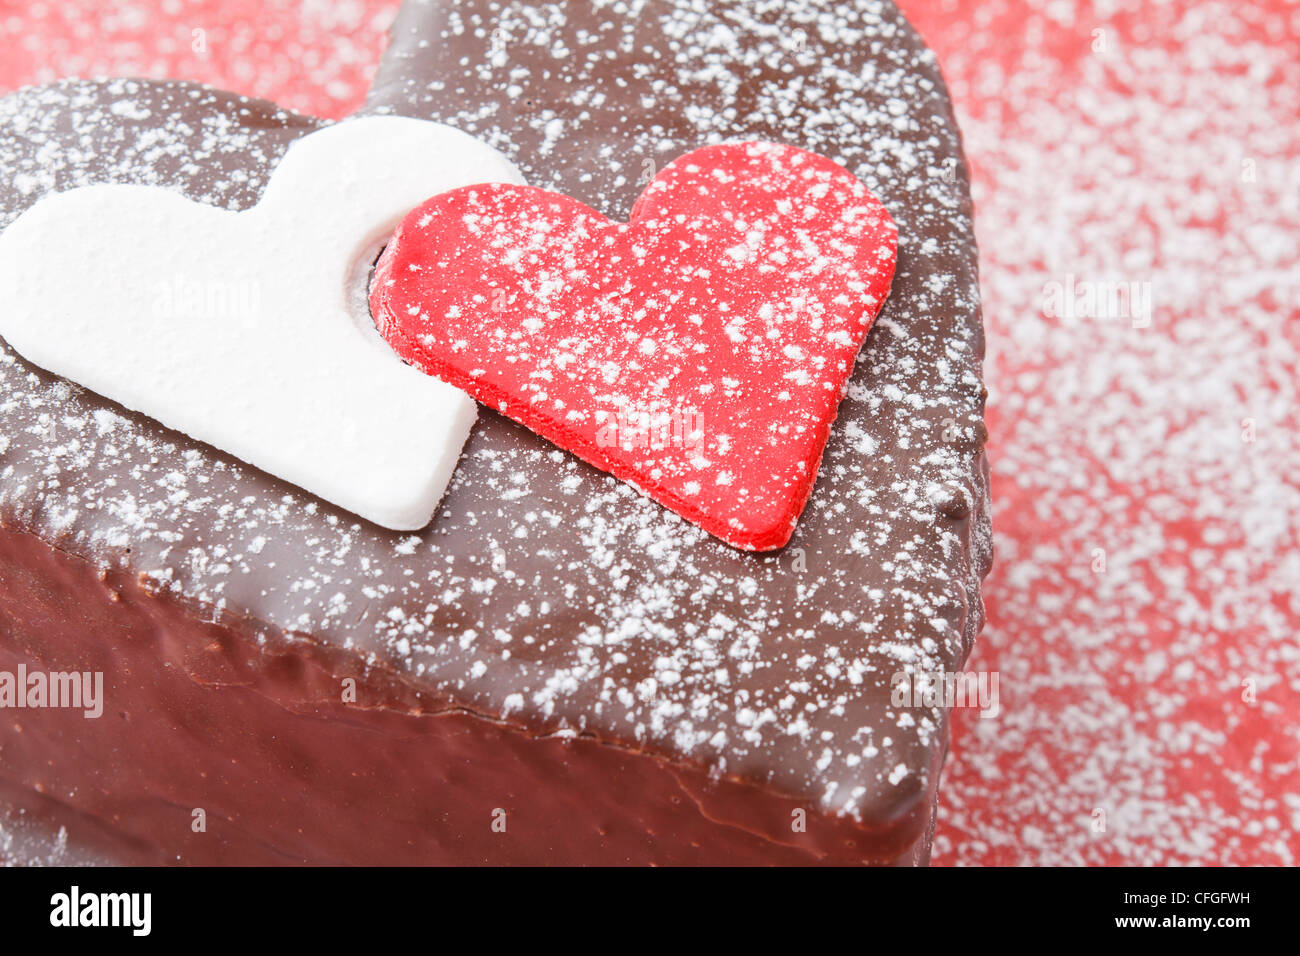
249,330
699,351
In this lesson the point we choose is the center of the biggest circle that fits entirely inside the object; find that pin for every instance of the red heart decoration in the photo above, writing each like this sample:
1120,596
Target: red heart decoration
698,352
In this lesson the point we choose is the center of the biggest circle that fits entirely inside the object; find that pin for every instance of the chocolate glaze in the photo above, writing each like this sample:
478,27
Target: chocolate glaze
285,772
546,597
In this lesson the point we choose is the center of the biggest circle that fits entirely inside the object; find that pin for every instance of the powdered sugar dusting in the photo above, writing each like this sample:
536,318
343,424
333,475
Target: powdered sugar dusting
1143,610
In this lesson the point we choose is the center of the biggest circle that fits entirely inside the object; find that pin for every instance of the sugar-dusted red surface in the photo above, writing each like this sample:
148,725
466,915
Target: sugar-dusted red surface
601,356
1163,150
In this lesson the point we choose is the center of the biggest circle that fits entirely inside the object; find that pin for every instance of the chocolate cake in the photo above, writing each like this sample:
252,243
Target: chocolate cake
557,669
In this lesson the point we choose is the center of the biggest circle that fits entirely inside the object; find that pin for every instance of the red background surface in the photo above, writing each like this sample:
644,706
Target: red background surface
1144,608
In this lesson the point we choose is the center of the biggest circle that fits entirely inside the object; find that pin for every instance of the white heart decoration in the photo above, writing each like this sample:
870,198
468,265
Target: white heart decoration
251,330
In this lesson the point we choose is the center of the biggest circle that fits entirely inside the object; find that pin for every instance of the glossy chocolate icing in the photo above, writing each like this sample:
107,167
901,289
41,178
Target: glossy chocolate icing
545,596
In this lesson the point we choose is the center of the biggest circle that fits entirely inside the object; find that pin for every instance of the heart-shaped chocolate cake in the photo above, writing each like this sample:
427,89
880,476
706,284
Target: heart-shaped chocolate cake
557,668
